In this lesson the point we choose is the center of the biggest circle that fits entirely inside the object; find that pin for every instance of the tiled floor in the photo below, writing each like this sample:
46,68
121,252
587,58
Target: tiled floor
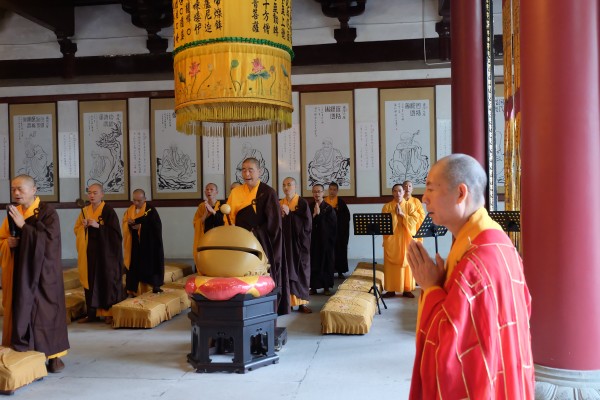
106,363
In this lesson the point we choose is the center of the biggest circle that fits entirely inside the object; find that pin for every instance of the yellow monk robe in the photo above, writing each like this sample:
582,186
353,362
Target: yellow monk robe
199,224
81,243
239,198
419,210
398,276
7,261
130,213
293,204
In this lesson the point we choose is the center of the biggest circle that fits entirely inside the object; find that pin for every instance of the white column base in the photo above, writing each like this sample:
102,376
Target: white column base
564,384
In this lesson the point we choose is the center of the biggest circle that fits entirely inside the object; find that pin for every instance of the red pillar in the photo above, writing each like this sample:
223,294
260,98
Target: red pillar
560,186
468,101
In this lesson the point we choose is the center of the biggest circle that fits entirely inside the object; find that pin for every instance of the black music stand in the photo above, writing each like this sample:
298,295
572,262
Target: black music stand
429,229
374,224
510,221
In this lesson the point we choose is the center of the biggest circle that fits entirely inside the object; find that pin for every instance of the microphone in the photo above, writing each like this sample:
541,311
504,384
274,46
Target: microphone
11,222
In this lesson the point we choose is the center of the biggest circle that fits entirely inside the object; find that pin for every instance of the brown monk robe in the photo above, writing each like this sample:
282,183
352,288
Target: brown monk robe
342,213
99,256
143,251
32,281
297,228
322,243
255,207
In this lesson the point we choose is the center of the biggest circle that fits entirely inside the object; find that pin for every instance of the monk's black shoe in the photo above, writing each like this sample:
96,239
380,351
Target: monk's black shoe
55,365
157,290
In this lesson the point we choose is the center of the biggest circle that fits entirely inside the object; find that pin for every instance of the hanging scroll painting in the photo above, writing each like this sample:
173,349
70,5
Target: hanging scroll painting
407,136
103,126
34,146
327,122
176,168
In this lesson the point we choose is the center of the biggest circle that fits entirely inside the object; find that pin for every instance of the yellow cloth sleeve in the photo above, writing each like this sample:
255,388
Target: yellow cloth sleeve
81,241
240,198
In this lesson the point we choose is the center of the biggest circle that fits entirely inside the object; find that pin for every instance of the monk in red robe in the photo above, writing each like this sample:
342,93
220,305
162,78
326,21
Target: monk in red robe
473,338
32,281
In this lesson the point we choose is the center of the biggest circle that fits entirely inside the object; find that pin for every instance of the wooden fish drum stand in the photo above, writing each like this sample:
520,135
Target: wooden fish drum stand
244,325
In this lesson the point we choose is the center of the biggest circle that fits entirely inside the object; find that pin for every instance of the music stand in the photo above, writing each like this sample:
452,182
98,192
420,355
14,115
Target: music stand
374,224
429,229
510,221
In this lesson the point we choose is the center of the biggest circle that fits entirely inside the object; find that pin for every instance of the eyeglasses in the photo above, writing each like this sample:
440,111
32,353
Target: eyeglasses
317,191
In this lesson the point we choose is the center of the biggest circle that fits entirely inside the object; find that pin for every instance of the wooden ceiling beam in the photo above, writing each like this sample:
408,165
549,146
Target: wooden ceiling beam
55,15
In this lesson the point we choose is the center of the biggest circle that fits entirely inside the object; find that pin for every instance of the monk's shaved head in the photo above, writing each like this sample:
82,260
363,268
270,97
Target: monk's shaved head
140,191
25,179
462,168
97,185
253,161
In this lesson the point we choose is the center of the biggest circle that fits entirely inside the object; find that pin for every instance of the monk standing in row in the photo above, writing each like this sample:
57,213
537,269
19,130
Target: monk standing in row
33,293
208,215
342,235
143,251
99,256
297,228
398,276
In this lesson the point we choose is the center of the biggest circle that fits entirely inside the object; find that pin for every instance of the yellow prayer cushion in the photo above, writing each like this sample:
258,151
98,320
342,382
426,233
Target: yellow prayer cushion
172,273
368,273
184,299
75,304
359,284
18,369
369,266
182,281
186,268
348,312
71,278
138,313
171,301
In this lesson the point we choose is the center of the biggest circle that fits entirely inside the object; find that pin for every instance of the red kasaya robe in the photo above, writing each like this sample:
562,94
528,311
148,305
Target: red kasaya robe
473,338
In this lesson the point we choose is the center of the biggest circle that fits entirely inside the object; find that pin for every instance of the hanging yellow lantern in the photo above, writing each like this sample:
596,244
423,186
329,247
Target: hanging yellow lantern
232,62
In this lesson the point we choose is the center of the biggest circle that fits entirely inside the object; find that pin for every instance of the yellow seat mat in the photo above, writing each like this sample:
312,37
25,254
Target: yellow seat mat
75,304
184,299
186,268
171,301
71,278
363,272
138,313
172,273
18,369
359,283
348,312
369,266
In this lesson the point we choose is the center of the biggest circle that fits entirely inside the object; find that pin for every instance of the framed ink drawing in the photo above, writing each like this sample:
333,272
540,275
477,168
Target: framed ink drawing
175,157
240,144
407,120
327,127
103,146
34,146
